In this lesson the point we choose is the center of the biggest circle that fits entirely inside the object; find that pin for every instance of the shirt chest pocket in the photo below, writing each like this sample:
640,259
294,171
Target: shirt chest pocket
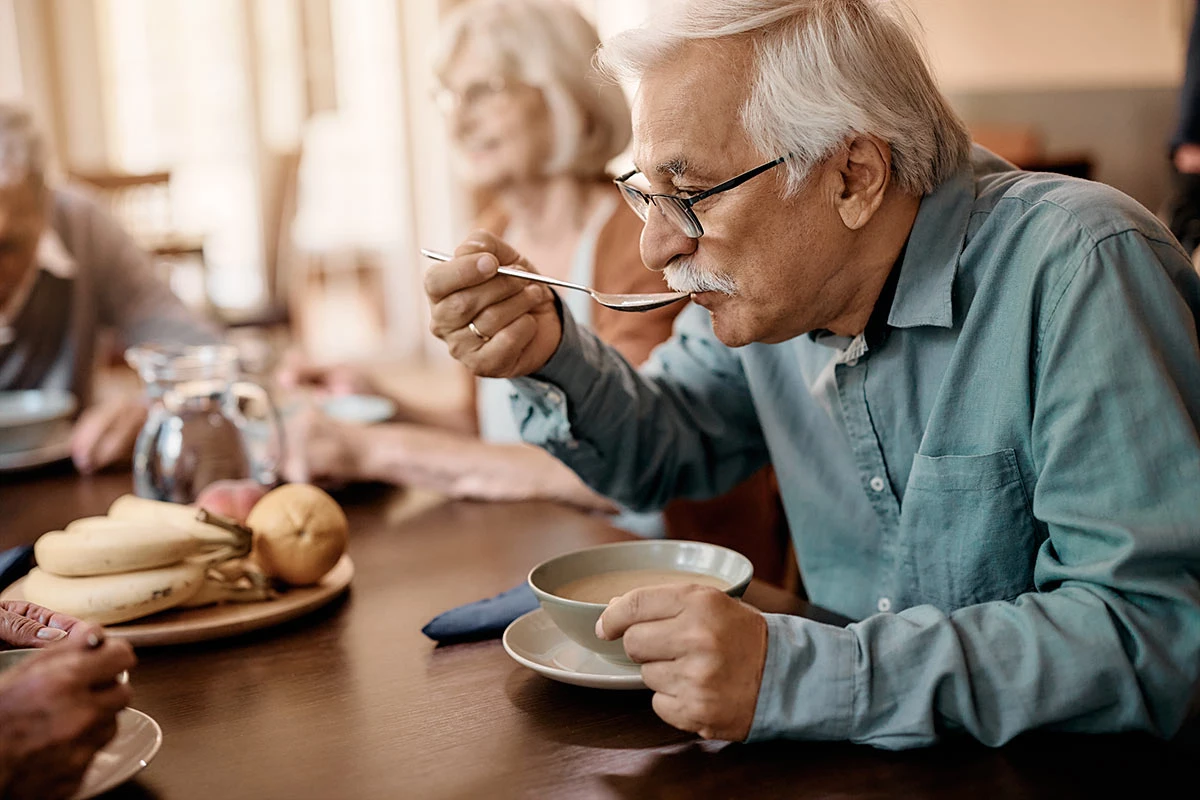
967,534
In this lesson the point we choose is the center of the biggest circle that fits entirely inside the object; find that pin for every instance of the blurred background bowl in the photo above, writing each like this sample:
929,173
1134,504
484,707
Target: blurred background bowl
363,409
577,619
35,418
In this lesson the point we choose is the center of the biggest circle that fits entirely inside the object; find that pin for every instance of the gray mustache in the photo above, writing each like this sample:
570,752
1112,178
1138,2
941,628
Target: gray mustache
683,276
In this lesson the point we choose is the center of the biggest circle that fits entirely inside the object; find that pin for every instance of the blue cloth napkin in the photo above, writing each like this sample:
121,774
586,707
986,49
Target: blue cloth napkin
14,563
483,619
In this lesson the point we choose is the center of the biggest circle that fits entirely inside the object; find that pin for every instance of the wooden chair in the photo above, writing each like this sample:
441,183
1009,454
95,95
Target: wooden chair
141,203
1024,146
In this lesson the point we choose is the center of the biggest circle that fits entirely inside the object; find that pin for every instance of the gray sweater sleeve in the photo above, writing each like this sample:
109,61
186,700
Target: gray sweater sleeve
129,296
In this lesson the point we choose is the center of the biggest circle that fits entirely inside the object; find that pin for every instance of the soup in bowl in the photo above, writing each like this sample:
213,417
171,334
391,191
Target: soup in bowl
574,589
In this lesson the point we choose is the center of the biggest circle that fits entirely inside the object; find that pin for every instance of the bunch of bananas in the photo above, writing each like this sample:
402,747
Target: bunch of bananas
143,557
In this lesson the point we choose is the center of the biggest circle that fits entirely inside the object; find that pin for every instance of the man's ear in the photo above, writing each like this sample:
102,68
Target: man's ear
865,168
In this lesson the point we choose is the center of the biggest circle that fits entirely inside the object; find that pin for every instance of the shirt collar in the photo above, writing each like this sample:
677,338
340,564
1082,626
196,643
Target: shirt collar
926,282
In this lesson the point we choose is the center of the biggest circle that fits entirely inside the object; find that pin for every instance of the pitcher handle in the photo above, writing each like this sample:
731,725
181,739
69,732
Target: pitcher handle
266,465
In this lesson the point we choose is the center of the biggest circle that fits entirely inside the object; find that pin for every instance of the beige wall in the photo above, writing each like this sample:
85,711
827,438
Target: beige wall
10,58
1055,44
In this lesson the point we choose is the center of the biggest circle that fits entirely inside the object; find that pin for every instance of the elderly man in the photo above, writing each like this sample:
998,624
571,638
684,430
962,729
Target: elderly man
65,270
980,389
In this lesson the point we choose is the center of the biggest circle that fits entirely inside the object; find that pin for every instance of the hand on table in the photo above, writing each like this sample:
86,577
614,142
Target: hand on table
701,651
320,449
517,327
337,379
106,432
57,708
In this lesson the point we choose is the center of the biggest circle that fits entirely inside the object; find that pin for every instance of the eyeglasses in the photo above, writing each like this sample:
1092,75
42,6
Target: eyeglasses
678,209
450,100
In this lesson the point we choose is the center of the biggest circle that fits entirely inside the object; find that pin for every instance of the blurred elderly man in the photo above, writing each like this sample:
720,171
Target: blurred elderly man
66,269
980,389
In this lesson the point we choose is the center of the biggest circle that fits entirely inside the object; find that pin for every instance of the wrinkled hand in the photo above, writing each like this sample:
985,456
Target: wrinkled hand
337,379
518,318
57,709
320,449
701,651
24,624
106,432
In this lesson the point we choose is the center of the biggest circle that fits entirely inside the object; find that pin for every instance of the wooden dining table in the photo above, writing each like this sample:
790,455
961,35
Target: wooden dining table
353,701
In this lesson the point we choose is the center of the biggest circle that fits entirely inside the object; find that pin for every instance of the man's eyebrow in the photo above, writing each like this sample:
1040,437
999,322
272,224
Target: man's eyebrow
680,168
675,167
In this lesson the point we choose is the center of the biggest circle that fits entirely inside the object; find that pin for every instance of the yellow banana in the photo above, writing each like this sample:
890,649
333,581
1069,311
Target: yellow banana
219,590
104,546
200,523
109,599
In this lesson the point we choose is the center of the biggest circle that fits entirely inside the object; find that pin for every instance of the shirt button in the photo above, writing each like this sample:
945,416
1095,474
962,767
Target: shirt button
884,605
877,484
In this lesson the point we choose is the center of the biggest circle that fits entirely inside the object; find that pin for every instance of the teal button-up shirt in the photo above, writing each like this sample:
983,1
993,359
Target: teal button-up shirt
1000,478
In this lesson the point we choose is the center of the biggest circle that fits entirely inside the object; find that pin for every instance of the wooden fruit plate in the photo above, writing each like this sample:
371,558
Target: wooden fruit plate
228,619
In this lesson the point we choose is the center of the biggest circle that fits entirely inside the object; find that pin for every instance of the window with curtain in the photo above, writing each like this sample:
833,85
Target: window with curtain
180,100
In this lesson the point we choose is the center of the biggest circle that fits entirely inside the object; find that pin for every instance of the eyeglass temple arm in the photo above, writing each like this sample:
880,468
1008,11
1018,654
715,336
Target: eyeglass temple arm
738,181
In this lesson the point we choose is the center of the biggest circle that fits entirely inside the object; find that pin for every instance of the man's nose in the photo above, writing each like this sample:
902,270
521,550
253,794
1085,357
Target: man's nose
663,241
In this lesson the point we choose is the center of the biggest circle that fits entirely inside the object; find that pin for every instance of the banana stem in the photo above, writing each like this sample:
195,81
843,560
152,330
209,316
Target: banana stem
245,537
209,518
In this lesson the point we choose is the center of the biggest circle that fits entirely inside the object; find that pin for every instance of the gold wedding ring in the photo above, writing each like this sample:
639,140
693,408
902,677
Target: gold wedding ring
482,336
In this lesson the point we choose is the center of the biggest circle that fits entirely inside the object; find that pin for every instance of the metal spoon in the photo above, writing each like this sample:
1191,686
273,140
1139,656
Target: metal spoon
620,302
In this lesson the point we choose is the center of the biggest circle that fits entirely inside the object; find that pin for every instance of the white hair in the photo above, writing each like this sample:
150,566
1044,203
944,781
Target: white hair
824,70
548,44
22,150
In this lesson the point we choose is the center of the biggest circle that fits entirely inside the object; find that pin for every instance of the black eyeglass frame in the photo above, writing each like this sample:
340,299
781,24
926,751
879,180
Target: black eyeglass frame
684,204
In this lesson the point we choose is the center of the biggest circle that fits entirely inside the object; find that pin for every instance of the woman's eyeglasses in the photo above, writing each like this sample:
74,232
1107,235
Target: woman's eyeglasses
450,100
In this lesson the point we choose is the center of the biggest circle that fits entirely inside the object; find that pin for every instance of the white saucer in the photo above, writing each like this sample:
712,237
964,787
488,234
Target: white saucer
534,641
138,739
37,457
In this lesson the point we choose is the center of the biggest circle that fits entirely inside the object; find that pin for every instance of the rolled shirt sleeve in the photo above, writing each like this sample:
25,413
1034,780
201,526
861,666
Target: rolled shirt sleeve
683,427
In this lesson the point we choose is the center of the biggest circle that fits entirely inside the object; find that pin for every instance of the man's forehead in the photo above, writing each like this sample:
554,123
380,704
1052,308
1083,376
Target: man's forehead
686,113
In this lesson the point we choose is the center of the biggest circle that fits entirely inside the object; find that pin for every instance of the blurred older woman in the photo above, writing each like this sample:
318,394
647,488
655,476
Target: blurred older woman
533,127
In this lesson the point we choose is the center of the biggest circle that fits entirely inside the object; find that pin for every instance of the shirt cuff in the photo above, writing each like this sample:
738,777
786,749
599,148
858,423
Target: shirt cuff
539,401
807,689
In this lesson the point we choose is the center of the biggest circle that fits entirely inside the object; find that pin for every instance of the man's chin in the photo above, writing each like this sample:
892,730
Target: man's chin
725,323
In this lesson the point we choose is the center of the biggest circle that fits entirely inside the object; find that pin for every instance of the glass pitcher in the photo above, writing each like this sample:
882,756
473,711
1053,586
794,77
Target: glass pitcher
204,423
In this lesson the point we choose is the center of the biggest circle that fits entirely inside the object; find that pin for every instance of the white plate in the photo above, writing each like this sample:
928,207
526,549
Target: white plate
534,641
37,457
138,739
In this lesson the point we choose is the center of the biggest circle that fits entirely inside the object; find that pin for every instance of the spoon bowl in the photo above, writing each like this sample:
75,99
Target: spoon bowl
619,302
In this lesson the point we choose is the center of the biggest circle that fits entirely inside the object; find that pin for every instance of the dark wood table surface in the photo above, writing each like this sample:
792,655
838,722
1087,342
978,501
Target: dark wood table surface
354,702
